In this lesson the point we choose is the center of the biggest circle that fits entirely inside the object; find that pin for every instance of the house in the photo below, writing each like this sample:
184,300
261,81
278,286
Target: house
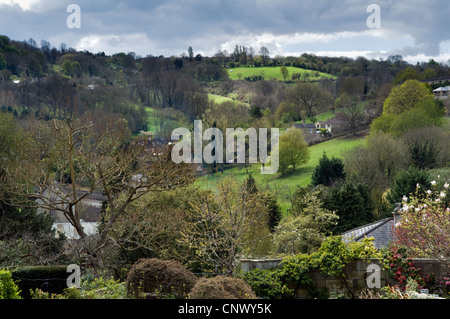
90,209
310,132
442,92
383,231
307,128
328,125
90,228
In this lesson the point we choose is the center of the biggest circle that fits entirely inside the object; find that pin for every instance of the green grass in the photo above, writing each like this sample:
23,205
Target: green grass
269,73
284,186
220,99
321,117
152,126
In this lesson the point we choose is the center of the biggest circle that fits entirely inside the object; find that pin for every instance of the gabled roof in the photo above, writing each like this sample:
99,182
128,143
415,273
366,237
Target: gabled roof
381,231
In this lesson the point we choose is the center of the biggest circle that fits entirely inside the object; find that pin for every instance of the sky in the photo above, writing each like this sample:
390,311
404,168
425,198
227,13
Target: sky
416,29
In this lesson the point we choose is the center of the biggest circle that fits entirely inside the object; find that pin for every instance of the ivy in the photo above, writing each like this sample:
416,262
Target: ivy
295,271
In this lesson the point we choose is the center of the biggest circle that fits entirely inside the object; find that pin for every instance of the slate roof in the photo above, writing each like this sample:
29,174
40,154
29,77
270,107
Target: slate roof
304,125
442,89
381,231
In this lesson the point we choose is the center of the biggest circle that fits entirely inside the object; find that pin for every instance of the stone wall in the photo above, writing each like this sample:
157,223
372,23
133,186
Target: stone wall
356,275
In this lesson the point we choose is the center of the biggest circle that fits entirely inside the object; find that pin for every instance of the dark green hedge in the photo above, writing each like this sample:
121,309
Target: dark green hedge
52,279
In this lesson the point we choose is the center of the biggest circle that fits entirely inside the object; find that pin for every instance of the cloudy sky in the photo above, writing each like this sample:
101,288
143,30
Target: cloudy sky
416,29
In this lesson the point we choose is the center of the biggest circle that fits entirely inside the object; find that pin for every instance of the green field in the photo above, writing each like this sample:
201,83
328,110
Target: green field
283,186
269,73
321,117
152,126
220,99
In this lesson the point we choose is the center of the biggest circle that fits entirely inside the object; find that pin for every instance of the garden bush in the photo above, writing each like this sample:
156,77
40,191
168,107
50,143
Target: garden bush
222,287
8,287
97,288
52,279
268,283
159,277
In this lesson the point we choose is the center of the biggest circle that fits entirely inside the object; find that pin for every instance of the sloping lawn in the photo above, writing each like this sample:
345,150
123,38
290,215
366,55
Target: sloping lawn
270,73
285,185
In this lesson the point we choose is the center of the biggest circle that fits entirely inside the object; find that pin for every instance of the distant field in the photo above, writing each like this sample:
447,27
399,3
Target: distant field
321,117
269,73
220,99
152,126
284,186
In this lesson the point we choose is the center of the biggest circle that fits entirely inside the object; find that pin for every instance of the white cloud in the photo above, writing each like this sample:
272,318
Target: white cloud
111,44
25,5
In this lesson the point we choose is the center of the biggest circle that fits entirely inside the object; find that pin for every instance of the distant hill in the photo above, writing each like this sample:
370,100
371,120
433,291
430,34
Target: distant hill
271,73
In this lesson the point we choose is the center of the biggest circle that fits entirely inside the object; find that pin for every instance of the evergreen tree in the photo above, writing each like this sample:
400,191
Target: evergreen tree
405,184
352,202
328,171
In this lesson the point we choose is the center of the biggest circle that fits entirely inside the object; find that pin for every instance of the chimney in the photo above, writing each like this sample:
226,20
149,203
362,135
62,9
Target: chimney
397,213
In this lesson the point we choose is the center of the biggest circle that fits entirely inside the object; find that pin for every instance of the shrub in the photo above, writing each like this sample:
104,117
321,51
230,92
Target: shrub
152,275
8,287
103,288
222,287
267,284
98,288
52,279
331,259
424,227
328,171
405,184
401,268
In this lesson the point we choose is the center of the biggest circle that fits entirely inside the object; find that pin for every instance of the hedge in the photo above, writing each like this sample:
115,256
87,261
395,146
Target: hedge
52,279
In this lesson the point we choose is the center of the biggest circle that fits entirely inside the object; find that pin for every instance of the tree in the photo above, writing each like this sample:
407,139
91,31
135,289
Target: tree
285,72
264,52
309,98
353,111
226,224
428,147
307,225
152,225
268,199
67,67
424,227
3,63
425,113
293,150
406,96
67,160
405,184
352,202
191,54
328,171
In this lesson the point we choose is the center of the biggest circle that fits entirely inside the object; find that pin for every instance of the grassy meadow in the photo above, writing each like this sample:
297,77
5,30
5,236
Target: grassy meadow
270,73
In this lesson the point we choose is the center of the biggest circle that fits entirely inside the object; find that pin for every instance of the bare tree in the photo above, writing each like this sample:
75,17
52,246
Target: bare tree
81,158
309,98
264,55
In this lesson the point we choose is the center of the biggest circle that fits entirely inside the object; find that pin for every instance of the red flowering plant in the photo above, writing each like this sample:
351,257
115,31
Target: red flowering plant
400,267
424,228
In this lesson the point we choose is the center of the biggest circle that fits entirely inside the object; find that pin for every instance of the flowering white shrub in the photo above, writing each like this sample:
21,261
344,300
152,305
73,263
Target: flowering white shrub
424,228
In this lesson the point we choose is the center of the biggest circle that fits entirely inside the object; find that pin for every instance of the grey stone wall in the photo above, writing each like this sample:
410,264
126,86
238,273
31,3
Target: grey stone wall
355,273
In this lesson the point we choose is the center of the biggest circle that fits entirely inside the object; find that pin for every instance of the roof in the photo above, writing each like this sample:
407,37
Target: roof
442,89
381,231
304,125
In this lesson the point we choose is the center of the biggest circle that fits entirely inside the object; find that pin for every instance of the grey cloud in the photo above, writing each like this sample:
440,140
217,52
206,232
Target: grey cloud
174,24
